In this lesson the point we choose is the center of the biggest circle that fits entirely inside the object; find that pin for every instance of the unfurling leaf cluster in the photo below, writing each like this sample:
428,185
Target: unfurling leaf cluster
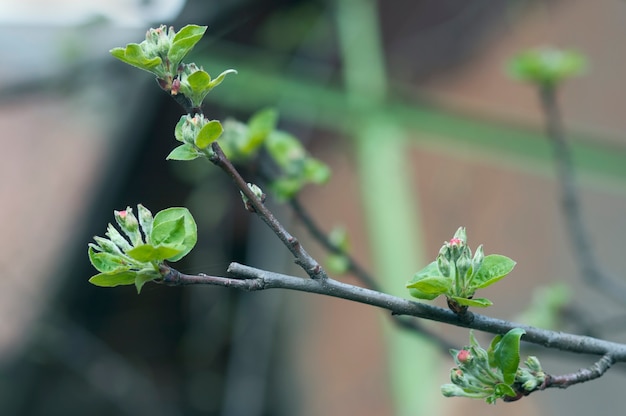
458,275
134,256
241,142
162,52
495,373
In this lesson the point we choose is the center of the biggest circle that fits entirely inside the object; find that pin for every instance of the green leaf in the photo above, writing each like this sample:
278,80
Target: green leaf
113,279
506,354
142,278
502,390
493,268
199,81
260,126
337,263
478,302
135,56
148,253
178,130
145,221
217,81
183,152
107,246
286,188
170,231
284,149
315,171
435,285
106,262
547,66
209,133
117,237
184,40
429,271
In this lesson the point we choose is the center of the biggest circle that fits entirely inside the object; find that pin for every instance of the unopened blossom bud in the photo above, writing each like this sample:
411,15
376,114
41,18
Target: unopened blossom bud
530,385
457,377
175,86
443,265
479,256
533,364
464,356
452,390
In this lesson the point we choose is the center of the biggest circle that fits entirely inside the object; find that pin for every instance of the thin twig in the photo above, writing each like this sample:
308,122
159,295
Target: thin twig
362,275
302,257
249,278
584,254
584,374
322,238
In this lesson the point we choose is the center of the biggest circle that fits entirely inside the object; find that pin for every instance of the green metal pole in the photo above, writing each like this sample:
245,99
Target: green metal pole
390,203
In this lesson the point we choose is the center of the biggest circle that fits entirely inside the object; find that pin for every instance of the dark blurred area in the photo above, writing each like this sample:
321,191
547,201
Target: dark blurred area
72,349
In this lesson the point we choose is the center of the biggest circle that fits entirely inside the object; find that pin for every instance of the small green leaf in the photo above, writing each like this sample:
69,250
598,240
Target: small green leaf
284,149
546,67
435,285
199,81
209,133
142,278
184,40
478,302
106,262
117,237
494,267
502,390
260,126
338,237
135,56
148,253
286,188
145,221
506,354
217,81
183,152
189,228
169,233
113,279
107,246
429,271
178,130
337,263
315,171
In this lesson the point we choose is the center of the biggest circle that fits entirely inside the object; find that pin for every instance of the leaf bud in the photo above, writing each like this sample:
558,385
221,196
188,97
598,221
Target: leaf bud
533,364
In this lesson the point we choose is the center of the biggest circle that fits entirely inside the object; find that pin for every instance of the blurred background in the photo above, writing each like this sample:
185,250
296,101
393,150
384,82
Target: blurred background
409,104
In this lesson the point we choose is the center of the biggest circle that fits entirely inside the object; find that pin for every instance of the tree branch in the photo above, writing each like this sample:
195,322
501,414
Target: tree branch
584,254
584,374
249,278
302,257
360,273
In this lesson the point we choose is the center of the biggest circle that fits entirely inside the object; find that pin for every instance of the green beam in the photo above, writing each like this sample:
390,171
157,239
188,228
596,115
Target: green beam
253,88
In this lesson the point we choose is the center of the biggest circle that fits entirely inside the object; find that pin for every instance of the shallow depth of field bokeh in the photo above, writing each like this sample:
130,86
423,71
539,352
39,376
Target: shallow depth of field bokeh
438,123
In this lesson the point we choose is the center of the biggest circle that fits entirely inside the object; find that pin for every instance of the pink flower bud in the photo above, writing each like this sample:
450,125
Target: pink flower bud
122,214
456,242
463,356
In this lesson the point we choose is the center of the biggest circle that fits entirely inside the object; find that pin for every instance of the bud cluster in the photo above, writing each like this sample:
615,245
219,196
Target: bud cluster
478,374
455,261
